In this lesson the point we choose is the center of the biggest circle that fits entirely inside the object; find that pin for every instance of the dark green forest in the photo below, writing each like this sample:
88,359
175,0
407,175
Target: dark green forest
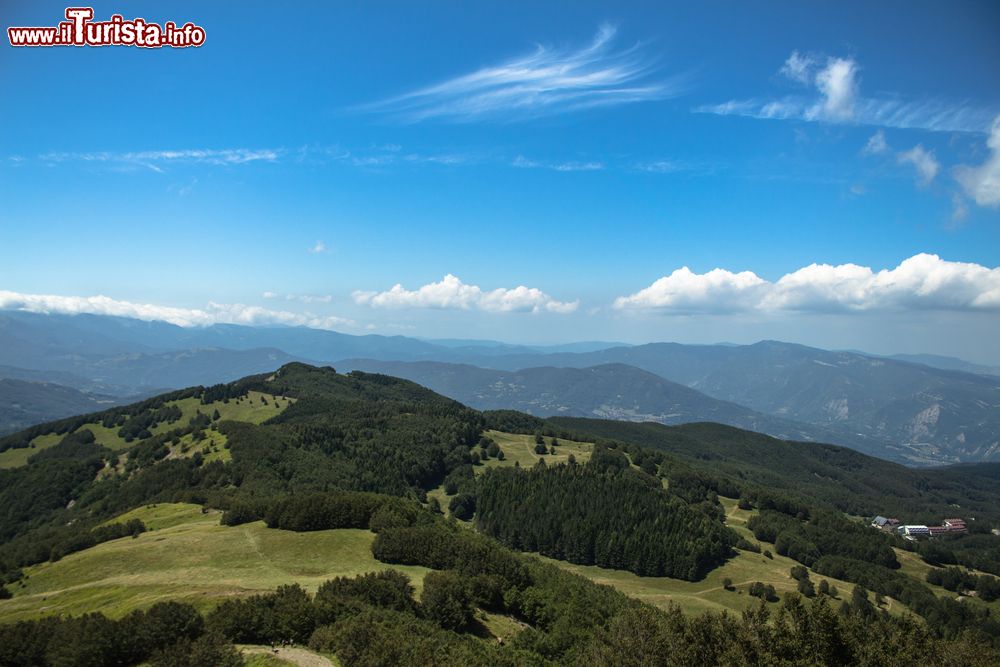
604,516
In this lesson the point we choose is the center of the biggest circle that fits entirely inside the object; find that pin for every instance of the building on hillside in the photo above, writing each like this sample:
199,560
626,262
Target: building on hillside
955,525
882,523
914,531
937,530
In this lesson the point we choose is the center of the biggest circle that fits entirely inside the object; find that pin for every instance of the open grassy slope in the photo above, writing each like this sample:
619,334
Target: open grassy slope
521,449
188,556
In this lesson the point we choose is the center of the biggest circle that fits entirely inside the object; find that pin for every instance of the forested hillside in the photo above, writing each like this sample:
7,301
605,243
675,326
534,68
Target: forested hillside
835,476
307,451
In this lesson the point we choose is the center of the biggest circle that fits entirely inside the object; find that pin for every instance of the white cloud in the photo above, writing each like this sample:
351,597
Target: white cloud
876,144
798,67
451,292
318,248
214,313
684,290
837,83
548,81
982,183
837,99
923,160
922,282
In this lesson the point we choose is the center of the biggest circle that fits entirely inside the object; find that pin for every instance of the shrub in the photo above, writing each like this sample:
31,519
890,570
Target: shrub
447,600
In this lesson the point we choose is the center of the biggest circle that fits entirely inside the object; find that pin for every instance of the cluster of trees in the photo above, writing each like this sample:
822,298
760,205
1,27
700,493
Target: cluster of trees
805,586
824,533
946,617
763,591
292,615
138,426
31,495
323,511
168,634
79,446
609,517
979,549
956,579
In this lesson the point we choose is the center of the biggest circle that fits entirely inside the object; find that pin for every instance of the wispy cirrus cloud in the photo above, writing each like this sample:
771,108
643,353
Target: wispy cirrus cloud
922,282
452,293
834,96
522,162
301,298
544,82
156,159
214,313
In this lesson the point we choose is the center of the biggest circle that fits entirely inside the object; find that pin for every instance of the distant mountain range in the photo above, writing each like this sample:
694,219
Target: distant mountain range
907,409
931,415
609,391
947,363
24,403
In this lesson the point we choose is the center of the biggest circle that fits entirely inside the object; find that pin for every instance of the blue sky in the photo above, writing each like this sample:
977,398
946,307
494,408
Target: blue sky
522,172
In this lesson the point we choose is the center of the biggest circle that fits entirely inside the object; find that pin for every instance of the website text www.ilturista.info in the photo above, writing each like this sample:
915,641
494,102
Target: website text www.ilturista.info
81,30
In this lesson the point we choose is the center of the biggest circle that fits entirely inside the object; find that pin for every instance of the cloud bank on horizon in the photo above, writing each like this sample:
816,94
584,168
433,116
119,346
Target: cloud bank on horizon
922,282
214,313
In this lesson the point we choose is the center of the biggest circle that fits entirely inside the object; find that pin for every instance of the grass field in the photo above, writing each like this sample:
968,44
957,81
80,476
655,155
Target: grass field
190,557
255,408
12,458
264,656
521,449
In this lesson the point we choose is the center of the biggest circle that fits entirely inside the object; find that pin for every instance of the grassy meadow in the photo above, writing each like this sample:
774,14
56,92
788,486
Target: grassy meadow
188,556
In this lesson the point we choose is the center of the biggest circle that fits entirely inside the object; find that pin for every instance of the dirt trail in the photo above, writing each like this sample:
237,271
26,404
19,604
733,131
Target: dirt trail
297,656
